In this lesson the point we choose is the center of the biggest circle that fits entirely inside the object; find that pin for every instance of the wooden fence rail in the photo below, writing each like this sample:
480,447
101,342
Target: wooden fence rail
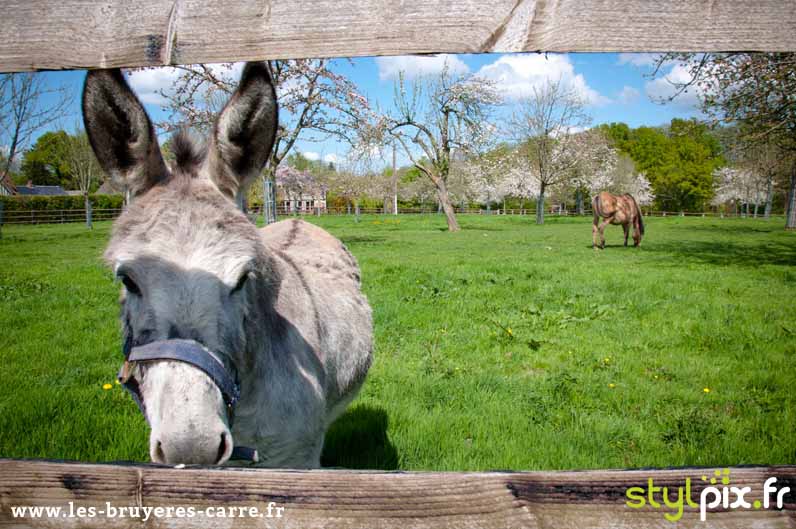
372,499
42,34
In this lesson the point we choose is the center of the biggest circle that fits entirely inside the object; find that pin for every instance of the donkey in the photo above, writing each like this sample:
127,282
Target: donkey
220,319
616,209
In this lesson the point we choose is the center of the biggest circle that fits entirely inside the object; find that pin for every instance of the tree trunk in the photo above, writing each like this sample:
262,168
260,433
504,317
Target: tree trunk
394,181
755,213
87,205
579,201
540,205
445,203
769,198
790,222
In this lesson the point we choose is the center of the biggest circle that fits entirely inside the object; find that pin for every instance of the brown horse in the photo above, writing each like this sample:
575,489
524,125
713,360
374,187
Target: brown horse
616,209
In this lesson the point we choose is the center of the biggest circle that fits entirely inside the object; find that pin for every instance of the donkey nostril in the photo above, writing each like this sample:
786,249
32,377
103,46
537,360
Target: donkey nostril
223,449
159,456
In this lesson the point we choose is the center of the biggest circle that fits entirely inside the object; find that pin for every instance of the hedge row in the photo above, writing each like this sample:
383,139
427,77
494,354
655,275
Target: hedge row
60,202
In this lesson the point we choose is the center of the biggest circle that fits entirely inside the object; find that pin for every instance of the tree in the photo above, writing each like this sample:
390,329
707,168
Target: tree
543,125
595,164
46,163
83,167
314,101
23,112
752,90
438,116
679,161
484,164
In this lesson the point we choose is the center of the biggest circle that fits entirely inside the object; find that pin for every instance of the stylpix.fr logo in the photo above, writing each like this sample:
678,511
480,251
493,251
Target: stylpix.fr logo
718,493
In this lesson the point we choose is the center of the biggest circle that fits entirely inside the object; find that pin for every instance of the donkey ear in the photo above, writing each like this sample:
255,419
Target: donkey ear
120,132
244,132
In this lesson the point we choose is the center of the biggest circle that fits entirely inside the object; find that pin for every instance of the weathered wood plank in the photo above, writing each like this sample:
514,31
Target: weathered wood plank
42,34
332,499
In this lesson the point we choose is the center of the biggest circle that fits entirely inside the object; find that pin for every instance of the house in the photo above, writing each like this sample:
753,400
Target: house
31,190
301,203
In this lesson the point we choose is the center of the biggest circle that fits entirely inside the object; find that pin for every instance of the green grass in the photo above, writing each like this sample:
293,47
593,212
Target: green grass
505,346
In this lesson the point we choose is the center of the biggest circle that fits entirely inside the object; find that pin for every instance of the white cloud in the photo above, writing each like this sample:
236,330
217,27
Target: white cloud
628,95
638,59
330,158
311,155
150,82
664,87
517,75
419,65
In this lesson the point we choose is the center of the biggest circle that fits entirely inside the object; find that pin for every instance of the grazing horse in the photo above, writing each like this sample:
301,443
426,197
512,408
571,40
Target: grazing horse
616,209
220,320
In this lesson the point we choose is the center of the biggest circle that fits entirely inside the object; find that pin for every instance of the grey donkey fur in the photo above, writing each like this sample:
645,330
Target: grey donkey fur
281,305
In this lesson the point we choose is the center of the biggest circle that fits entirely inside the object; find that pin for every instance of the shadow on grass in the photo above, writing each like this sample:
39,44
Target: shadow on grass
728,253
358,440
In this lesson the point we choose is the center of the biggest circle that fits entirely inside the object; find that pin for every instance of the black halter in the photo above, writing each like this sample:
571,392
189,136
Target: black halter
198,356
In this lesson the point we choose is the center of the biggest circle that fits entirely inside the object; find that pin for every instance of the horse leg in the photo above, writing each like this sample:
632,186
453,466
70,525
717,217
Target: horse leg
626,227
636,233
594,224
601,229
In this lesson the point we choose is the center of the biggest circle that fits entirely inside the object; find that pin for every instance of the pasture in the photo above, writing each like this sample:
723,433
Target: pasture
505,346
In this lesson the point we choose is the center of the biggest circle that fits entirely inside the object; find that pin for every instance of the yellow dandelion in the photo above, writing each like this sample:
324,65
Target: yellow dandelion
509,332
106,387
612,385
706,390
607,359
655,377
116,382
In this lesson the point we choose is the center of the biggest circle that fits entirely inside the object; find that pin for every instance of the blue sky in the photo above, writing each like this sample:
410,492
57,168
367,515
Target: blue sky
615,85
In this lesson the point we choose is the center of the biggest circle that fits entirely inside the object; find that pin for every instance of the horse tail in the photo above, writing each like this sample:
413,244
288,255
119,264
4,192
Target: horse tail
639,216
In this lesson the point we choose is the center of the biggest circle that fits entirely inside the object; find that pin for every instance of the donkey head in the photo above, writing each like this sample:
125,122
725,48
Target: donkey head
191,263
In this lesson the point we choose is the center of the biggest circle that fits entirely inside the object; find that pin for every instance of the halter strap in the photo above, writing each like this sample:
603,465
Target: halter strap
192,353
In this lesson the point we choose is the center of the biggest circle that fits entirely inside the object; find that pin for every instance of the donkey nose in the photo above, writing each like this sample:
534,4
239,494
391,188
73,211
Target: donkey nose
192,451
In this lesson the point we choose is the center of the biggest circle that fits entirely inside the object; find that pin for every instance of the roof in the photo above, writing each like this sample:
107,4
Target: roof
40,190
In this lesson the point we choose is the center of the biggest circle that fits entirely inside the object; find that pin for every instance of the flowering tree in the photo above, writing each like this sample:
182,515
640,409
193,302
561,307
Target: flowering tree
295,183
314,101
594,167
484,165
519,185
739,185
437,116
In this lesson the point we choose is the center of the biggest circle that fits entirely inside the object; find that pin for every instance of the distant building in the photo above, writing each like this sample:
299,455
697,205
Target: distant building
31,190
305,202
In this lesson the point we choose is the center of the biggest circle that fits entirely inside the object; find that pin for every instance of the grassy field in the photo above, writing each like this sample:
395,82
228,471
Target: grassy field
505,346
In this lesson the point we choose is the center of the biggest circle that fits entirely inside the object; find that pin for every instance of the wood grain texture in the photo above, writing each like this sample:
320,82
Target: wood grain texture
336,499
68,34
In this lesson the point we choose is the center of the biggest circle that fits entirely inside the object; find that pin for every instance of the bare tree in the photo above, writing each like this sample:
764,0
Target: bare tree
23,112
83,166
434,118
543,125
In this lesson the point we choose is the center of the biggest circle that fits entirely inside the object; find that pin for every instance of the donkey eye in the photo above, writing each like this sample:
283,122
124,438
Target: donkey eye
241,282
130,285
